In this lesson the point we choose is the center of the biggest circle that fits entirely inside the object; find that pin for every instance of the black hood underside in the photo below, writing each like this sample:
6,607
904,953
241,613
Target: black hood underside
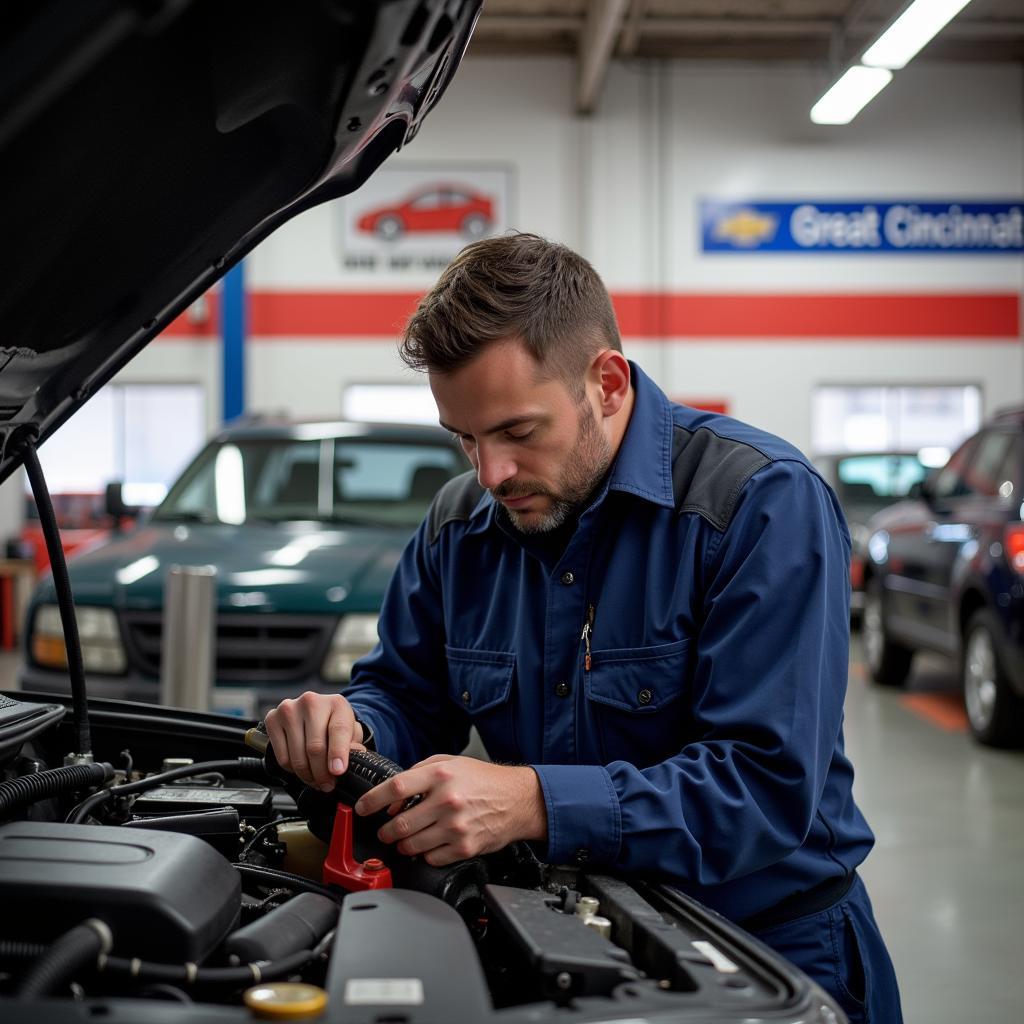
145,147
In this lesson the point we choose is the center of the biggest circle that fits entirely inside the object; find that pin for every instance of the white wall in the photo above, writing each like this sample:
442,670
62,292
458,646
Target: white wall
624,186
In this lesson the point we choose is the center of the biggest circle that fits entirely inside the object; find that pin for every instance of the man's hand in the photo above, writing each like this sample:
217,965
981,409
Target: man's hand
312,736
469,807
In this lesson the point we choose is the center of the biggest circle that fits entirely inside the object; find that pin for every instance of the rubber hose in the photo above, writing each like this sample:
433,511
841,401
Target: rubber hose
298,924
12,949
20,792
285,880
190,974
65,600
80,947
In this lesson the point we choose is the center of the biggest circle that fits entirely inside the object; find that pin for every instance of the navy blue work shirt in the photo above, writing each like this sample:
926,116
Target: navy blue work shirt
703,744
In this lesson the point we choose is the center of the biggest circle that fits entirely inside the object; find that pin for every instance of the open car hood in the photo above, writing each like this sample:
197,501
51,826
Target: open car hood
146,147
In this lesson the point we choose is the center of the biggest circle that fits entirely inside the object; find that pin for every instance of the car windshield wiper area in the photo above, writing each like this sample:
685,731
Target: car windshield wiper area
202,515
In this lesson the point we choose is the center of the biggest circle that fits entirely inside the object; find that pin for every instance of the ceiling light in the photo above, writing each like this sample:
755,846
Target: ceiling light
919,23
845,100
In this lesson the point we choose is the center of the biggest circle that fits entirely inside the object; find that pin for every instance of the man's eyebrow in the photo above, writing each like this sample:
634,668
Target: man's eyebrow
512,421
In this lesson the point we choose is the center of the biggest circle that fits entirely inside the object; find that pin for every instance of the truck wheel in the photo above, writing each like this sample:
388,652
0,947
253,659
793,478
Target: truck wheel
994,711
888,661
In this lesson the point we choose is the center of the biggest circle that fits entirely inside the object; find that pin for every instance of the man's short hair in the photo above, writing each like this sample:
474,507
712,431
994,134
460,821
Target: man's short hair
514,286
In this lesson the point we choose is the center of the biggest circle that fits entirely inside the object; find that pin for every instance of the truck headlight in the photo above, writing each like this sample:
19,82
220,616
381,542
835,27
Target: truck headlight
355,636
102,650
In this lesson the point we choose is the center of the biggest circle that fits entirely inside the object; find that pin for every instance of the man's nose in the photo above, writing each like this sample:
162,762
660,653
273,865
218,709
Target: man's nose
493,468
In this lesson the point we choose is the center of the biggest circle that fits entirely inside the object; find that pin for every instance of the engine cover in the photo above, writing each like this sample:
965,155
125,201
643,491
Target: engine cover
165,896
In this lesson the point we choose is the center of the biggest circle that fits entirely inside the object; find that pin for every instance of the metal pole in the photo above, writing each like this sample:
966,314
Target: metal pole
187,656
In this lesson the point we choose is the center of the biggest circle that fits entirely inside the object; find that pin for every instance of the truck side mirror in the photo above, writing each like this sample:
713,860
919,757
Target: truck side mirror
115,505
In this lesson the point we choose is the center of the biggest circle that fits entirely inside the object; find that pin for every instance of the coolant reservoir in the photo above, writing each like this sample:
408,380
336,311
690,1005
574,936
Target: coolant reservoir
306,853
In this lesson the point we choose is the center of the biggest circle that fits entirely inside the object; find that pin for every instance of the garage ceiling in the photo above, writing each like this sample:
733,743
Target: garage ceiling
827,32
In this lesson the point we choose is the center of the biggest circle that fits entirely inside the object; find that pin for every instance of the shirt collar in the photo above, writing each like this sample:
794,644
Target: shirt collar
643,465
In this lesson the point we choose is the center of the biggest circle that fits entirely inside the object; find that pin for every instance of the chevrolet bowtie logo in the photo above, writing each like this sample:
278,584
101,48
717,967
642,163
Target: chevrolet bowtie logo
746,228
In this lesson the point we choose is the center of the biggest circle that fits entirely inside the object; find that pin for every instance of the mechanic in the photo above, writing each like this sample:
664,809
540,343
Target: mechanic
644,610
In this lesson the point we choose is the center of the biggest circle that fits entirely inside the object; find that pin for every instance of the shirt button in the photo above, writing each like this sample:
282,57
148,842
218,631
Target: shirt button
645,696
568,579
466,697
582,855
562,690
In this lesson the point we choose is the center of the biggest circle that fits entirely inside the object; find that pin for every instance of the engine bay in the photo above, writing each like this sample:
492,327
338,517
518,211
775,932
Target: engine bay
179,869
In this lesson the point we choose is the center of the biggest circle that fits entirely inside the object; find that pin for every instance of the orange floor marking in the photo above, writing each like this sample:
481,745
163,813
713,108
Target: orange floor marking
945,710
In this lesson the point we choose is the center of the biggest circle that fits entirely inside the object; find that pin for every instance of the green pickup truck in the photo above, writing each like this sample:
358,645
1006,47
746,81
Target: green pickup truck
303,522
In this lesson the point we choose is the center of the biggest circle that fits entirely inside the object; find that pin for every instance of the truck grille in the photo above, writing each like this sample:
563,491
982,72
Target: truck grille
250,648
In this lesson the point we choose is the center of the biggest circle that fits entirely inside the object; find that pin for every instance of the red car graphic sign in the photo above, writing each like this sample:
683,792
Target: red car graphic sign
430,209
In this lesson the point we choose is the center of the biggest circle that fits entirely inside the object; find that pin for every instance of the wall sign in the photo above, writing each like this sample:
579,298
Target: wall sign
740,226
416,218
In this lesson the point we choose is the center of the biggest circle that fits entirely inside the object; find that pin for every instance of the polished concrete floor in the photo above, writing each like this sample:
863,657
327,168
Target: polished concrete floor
947,873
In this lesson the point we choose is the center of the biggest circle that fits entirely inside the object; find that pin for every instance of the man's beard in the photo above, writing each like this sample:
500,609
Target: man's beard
588,464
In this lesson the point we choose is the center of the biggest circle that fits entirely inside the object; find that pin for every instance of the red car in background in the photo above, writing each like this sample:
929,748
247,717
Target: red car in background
434,208
82,518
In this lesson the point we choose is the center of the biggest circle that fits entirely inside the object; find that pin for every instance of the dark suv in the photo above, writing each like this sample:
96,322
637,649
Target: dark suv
945,573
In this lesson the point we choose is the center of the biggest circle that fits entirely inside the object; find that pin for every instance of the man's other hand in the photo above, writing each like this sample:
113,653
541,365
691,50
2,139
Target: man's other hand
469,807
312,736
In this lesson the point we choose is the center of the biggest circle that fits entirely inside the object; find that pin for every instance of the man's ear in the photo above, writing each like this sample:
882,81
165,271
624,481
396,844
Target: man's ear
611,372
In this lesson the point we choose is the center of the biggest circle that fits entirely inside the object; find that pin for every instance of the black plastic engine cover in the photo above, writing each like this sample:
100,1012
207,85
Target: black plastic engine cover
404,956
165,896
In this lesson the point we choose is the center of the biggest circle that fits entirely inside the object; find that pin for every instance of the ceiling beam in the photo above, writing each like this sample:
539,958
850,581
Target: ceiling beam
631,33
597,40
734,28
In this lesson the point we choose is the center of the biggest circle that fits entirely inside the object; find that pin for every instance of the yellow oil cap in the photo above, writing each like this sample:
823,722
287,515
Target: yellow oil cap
286,1000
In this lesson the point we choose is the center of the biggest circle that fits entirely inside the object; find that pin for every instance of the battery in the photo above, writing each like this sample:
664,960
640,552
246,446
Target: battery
251,802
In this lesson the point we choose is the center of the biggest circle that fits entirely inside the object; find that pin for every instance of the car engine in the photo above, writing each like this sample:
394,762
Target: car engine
178,869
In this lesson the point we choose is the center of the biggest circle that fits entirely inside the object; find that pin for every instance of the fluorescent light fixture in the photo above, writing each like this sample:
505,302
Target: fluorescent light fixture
918,24
854,91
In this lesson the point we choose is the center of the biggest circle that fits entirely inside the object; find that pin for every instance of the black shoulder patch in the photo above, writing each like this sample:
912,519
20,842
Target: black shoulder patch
456,500
708,473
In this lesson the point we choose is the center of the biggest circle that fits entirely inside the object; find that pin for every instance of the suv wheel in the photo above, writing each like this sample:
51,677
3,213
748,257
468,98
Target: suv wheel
994,711
888,661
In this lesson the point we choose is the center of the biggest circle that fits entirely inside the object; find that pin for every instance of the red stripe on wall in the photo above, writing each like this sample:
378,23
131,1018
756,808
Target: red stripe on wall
920,316
659,315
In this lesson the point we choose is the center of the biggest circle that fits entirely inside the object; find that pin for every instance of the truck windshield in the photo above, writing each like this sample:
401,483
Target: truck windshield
349,481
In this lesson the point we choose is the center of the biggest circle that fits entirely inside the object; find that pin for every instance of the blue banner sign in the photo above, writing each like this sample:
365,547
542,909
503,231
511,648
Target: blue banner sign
901,227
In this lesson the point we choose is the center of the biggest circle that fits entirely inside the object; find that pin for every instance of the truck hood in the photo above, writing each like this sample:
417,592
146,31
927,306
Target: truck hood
289,567
147,147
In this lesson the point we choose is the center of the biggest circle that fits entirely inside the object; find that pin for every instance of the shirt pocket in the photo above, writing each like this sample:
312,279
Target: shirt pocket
634,701
481,685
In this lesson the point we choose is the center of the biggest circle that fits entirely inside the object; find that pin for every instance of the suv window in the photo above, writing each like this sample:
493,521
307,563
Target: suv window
366,481
952,480
983,471
870,482
1011,473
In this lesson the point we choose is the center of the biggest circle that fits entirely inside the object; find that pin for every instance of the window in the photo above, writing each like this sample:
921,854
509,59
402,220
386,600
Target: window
952,481
873,481
984,473
380,482
142,434
865,419
389,403
426,201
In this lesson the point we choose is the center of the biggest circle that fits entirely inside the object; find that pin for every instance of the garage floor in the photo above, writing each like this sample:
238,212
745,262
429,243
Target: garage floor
946,873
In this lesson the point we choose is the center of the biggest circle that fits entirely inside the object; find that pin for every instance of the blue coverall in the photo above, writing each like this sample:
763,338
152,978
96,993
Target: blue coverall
673,666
